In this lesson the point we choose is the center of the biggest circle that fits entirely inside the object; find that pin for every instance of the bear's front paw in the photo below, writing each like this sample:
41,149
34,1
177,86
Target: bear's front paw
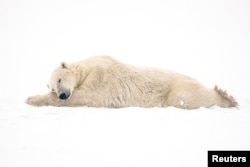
35,101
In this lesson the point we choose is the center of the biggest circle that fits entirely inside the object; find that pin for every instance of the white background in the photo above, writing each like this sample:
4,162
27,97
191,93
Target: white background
209,40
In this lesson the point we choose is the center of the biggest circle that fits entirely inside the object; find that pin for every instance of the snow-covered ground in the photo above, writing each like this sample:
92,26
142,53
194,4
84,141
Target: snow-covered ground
208,40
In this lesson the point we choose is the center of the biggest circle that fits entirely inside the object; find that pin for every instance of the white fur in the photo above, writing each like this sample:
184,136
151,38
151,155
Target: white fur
105,82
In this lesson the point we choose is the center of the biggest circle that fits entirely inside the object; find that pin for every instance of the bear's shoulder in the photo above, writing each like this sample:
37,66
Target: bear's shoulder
97,61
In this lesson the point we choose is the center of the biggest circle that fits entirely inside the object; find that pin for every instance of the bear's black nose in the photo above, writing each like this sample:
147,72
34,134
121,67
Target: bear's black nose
63,96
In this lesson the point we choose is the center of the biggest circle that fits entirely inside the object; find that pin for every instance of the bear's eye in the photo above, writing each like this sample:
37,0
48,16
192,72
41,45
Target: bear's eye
59,80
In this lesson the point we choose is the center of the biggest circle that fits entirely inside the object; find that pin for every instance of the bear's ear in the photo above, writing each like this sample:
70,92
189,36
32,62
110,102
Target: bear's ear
63,65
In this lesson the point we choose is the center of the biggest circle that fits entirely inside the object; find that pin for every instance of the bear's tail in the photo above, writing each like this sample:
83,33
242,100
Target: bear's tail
225,100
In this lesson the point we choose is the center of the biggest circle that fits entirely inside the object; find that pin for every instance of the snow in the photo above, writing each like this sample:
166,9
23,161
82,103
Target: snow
51,136
208,40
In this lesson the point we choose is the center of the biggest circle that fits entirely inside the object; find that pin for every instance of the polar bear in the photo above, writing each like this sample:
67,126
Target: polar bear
105,82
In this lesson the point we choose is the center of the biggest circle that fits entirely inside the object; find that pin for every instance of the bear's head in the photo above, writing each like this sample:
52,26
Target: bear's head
62,82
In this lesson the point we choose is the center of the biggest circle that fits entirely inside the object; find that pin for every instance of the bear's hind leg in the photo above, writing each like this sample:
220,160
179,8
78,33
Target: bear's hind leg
191,96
